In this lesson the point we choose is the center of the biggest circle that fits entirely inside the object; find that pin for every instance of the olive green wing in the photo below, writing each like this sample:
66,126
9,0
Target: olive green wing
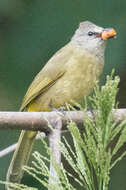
47,77
35,91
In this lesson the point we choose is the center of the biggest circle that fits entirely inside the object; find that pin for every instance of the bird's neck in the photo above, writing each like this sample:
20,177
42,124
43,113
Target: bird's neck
96,50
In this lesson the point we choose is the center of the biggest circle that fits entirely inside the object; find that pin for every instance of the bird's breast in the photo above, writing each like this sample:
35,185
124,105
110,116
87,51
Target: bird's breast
82,72
81,75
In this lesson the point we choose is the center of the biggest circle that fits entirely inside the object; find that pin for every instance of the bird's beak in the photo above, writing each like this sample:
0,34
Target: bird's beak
108,33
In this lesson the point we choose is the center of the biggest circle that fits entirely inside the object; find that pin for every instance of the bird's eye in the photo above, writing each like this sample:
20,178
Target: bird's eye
90,33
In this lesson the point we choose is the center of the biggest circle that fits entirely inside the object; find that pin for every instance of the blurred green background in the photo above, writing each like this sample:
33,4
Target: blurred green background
32,31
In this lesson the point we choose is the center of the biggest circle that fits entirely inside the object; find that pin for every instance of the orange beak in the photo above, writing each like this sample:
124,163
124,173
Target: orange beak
108,33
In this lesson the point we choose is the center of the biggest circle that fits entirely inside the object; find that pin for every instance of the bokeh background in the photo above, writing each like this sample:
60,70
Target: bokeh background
31,32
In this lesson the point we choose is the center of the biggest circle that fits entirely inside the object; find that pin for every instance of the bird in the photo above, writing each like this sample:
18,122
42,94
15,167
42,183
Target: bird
68,76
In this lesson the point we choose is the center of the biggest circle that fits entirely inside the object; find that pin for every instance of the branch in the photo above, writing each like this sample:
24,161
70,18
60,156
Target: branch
38,121
54,139
12,147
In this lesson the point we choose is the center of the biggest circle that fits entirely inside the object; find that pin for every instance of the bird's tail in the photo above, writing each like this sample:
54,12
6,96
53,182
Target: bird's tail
20,157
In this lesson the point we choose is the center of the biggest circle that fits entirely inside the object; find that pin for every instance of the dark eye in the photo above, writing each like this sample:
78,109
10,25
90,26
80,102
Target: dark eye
90,33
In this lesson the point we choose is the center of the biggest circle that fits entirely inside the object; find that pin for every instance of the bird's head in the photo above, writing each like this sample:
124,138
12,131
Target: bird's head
92,37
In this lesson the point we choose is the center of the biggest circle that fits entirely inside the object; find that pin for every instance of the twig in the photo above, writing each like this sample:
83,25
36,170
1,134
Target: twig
54,139
8,150
12,147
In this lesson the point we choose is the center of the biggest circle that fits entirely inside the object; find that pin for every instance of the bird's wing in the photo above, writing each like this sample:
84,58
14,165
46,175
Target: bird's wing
47,77
35,91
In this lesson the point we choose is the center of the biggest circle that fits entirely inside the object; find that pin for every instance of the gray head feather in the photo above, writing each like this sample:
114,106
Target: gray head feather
92,44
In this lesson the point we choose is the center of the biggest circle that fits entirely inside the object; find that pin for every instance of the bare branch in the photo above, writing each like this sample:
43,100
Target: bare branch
8,150
38,121
12,147
54,139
